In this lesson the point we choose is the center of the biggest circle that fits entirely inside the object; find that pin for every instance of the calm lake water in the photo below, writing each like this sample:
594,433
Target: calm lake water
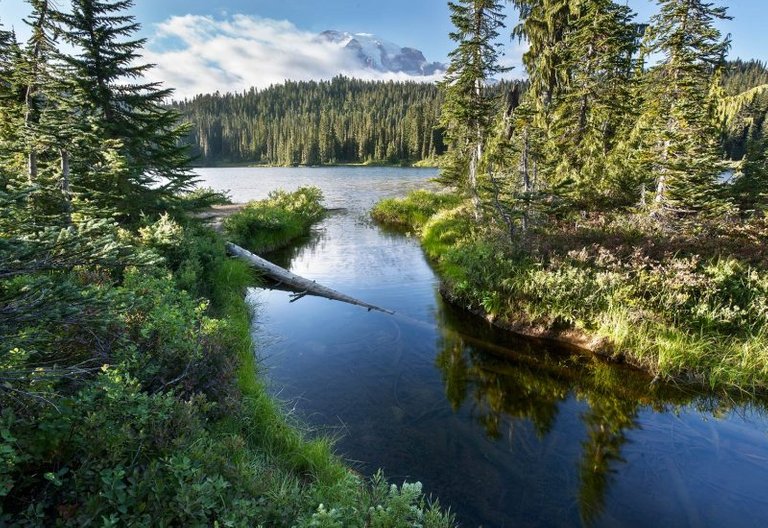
507,432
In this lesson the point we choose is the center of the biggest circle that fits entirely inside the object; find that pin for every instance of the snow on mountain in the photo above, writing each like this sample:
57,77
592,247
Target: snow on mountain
381,55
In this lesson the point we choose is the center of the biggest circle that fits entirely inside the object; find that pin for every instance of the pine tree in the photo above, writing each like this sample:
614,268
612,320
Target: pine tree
593,107
123,110
9,51
750,189
676,132
581,65
544,25
468,108
32,71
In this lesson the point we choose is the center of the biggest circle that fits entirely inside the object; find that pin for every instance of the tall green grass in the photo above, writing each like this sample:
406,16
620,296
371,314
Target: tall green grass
272,223
413,211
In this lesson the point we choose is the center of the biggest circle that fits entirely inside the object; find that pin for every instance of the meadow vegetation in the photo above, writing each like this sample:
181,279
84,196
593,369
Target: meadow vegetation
688,305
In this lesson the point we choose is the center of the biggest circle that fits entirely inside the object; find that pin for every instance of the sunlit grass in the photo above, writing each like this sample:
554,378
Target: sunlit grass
677,315
272,223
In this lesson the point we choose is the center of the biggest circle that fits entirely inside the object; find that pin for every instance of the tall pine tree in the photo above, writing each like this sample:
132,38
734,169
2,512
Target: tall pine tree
120,107
677,137
468,109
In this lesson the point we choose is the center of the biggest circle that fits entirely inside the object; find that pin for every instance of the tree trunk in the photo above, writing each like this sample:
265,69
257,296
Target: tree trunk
65,184
526,178
300,284
661,182
30,115
474,164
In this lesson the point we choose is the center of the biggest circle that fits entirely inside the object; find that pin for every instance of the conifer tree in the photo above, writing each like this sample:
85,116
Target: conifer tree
119,107
468,108
593,107
677,135
31,74
8,100
581,65
750,190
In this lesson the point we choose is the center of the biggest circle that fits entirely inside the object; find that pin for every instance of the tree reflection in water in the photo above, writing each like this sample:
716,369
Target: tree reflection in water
529,380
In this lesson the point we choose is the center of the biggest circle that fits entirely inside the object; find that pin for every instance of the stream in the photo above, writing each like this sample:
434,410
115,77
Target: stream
506,431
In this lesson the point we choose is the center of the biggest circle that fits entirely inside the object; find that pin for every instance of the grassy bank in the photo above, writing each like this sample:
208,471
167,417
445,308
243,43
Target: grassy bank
691,305
154,412
266,225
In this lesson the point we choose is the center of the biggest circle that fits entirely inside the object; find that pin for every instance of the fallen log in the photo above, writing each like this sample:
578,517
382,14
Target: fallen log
301,285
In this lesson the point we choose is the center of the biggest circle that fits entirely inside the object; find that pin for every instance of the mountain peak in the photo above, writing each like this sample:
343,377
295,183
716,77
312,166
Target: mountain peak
381,55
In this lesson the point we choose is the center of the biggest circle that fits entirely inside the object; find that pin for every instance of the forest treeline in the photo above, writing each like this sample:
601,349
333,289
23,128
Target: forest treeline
317,123
355,121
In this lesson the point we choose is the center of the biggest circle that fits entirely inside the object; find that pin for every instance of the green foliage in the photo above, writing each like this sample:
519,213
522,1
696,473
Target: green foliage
317,123
129,394
413,211
265,225
146,134
693,307
469,106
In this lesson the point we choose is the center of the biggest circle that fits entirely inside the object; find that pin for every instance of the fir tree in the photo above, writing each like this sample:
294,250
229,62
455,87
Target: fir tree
468,107
120,108
750,189
677,129
593,108
31,75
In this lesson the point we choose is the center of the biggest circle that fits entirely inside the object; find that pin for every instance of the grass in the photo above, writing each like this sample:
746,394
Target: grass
686,306
413,211
266,225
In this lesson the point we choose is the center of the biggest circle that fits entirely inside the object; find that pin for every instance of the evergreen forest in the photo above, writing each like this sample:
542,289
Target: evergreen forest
317,123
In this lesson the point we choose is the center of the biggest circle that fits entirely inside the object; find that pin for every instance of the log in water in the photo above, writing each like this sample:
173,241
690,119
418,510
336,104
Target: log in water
300,284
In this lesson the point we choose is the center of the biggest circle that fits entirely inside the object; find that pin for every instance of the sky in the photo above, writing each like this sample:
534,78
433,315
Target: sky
229,45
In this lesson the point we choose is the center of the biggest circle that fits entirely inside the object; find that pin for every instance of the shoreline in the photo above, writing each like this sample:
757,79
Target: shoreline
604,301
570,339
434,164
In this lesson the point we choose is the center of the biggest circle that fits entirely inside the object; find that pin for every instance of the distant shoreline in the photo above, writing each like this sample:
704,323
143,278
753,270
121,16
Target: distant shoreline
423,164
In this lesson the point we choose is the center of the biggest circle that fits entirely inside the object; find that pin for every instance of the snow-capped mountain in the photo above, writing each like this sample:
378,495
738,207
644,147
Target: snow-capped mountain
381,55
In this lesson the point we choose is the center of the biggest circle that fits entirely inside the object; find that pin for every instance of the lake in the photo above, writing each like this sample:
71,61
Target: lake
506,431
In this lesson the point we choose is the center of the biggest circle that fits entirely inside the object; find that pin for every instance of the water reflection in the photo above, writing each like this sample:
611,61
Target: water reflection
530,381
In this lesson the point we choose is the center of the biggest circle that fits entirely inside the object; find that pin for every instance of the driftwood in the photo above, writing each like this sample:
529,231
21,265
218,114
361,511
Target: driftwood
303,286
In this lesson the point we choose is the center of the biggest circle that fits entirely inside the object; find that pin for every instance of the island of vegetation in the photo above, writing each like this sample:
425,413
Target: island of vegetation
129,390
595,204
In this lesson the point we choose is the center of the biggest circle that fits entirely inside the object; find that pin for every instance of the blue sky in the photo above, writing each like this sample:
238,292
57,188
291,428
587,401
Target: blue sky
221,53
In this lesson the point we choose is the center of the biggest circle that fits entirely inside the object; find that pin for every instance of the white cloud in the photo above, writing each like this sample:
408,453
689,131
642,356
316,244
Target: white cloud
202,54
